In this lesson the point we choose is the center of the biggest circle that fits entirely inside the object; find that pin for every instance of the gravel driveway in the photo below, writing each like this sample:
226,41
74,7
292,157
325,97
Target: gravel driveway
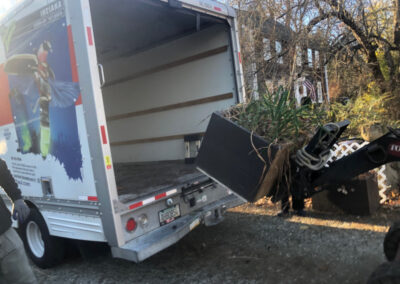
251,246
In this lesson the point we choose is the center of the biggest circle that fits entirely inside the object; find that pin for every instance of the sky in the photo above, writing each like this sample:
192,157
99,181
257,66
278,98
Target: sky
5,5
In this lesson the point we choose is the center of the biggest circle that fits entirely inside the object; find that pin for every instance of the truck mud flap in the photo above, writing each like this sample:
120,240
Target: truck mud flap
149,244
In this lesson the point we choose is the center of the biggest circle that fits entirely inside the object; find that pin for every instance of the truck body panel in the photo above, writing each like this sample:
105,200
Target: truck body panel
97,117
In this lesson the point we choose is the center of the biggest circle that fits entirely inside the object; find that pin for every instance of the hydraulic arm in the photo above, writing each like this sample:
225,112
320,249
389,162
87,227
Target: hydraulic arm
312,170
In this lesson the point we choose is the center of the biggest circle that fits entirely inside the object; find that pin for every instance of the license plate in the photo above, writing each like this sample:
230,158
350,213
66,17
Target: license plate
170,214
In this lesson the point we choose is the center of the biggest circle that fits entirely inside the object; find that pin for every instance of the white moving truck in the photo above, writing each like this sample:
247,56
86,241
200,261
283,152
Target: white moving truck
102,108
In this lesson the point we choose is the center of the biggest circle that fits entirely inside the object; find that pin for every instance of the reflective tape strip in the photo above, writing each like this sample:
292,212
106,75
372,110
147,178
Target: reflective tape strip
148,200
152,199
88,198
89,35
173,191
162,195
135,205
103,134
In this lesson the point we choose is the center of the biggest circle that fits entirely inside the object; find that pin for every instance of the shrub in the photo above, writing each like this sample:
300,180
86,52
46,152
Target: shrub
368,109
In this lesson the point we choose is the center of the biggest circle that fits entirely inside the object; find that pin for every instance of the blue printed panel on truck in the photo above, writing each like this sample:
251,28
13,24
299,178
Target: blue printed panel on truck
43,87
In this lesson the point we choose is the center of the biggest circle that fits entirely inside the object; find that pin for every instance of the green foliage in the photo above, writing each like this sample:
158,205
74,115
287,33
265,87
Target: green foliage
366,110
275,117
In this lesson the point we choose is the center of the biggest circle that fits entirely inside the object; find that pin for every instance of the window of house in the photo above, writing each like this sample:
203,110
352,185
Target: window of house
278,48
316,54
298,56
267,49
309,57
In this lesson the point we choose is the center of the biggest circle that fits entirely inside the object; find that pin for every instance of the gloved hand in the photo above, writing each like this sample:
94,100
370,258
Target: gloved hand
20,210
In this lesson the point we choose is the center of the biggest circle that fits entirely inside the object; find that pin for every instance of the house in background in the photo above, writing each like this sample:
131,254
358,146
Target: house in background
273,58
312,73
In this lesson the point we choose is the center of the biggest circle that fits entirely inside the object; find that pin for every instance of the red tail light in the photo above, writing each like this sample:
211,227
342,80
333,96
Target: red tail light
131,225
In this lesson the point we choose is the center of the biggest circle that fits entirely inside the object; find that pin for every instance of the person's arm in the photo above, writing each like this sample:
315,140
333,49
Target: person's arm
8,183
20,210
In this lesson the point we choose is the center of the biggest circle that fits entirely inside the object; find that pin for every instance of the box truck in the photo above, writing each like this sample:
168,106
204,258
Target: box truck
103,105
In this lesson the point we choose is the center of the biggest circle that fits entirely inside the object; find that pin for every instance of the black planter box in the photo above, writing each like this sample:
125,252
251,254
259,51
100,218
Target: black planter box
227,154
359,196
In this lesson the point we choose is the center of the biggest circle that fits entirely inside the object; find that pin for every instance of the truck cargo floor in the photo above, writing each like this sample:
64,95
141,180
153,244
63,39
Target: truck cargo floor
140,179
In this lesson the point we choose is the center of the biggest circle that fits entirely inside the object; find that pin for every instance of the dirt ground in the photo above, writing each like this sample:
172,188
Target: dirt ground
251,246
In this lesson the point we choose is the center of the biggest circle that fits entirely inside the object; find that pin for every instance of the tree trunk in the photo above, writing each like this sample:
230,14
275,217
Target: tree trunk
260,65
396,37
373,64
396,29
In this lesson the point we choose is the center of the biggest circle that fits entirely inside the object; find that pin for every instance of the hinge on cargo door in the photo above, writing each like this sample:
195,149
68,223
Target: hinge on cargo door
174,4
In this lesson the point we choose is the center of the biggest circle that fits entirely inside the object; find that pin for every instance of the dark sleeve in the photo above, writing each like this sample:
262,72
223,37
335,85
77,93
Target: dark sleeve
8,183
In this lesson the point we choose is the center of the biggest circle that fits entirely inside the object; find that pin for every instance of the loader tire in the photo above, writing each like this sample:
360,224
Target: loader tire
386,273
43,249
391,242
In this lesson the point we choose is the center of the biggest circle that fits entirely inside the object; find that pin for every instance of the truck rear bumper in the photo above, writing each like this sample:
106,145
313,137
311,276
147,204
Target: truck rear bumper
149,244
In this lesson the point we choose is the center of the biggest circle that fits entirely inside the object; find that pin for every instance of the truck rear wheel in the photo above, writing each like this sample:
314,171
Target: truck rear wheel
391,242
45,251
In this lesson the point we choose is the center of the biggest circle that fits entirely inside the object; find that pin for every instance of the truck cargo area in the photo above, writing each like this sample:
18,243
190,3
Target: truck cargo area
166,69
135,179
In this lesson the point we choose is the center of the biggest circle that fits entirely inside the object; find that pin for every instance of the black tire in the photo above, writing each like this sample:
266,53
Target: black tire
391,242
387,273
52,249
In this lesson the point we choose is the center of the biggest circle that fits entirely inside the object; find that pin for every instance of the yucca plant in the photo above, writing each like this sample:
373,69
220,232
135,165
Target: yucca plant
275,117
